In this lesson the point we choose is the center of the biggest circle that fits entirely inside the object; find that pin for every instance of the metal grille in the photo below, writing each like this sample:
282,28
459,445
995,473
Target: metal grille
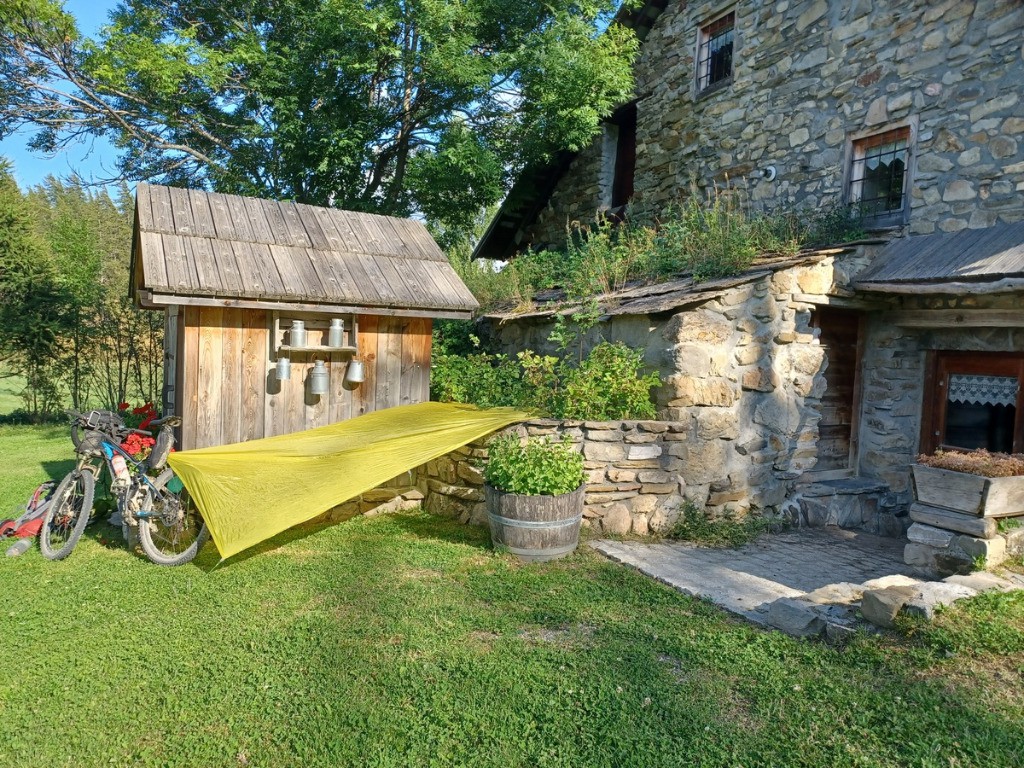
878,173
714,62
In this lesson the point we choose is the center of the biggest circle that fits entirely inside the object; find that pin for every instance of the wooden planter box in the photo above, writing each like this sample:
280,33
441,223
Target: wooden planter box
535,528
969,494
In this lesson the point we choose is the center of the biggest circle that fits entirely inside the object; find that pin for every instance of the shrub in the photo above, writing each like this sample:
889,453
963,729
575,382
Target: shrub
538,467
979,462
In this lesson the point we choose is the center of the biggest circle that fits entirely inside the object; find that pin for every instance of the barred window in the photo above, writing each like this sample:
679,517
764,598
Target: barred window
714,55
879,173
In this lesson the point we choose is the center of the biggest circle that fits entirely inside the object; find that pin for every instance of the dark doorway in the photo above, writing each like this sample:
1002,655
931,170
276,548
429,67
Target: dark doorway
837,430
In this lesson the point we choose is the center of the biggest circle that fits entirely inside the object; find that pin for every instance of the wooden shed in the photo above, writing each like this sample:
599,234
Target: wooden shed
233,274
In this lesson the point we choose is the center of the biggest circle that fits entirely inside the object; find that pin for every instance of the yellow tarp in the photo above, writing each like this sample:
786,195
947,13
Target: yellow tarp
249,492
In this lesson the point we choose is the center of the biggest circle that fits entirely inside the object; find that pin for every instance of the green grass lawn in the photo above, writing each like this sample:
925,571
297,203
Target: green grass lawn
403,640
10,393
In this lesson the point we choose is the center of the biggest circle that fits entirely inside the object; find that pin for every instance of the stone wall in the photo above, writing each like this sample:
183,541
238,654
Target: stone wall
810,74
743,376
894,378
635,481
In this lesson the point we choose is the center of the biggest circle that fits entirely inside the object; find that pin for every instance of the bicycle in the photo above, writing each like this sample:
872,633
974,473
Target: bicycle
171,530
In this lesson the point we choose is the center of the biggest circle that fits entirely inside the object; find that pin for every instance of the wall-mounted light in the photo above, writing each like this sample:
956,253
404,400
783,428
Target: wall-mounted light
768,173
354,373
319,378
284,368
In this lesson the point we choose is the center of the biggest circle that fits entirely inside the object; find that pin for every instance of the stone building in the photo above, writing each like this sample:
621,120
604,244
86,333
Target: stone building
811,385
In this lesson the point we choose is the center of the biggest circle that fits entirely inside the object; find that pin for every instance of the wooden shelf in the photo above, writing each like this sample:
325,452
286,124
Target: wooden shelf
316,348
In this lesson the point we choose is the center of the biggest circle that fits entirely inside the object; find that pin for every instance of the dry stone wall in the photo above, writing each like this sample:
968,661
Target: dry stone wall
742,376
809,75
634,484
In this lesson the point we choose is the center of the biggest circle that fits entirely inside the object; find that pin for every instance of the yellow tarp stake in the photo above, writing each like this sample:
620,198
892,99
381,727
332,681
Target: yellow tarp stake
249,492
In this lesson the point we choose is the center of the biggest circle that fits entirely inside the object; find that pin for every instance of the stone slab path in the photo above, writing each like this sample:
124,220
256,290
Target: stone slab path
747,580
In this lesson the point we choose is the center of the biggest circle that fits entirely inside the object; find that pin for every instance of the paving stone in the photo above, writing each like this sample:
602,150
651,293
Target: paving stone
842,593
795,617
982,581
880,606
933,594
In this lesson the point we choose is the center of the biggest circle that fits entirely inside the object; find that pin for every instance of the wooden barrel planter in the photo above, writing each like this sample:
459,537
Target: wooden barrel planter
535,528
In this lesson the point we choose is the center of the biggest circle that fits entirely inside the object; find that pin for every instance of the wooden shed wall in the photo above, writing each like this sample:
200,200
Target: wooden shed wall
228,392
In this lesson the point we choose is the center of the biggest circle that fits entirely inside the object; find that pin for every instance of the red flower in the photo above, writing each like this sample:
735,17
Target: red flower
122,406
146,421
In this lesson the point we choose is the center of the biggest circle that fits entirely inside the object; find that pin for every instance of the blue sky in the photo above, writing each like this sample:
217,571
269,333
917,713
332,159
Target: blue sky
91,160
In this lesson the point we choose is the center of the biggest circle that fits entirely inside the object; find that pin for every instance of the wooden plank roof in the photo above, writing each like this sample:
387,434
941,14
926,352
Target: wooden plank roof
193,247
968,256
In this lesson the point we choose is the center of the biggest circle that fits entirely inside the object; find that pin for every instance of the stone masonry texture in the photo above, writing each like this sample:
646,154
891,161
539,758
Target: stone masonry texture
809,77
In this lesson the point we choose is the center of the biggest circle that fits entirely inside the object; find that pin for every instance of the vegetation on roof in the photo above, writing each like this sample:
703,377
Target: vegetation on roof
708,239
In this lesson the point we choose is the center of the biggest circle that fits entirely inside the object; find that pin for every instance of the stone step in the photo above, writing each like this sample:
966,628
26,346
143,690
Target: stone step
838,610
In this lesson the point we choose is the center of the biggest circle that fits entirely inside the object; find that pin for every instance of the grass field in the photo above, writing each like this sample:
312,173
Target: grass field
10,393
403,640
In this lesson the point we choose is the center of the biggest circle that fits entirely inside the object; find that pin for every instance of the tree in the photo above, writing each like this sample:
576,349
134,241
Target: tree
32,302
392,106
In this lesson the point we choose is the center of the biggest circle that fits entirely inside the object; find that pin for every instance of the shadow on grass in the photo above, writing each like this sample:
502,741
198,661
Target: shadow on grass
427,526
56,470
209,558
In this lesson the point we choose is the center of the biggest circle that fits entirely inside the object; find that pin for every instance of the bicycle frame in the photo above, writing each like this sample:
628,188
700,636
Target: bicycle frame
138,477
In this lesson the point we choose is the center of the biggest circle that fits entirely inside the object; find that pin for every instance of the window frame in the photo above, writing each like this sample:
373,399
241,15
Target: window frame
938,367
876,136
702,65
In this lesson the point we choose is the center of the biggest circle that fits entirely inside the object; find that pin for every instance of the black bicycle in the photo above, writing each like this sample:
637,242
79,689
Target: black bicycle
170,529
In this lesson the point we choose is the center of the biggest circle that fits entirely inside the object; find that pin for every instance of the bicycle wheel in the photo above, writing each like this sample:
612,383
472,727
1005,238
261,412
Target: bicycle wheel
68,514
172,531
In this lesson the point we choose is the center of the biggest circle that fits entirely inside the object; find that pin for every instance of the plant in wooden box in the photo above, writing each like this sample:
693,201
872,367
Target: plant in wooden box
534,496
960,499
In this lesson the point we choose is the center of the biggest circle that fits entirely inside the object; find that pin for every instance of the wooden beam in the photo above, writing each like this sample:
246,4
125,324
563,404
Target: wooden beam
955,318
150,300
1005,285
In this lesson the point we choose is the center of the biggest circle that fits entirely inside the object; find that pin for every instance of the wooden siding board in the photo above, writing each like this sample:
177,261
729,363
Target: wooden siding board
364,398
415,375
231,376
210,382
202,216
341,397
254,352
389,363
188,402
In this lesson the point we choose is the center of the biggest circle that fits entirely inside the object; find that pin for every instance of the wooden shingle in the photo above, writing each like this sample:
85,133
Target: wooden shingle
207,249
